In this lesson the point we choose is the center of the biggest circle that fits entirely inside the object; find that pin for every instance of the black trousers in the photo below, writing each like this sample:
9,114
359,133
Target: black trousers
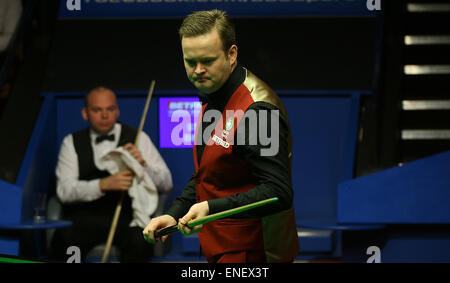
90,230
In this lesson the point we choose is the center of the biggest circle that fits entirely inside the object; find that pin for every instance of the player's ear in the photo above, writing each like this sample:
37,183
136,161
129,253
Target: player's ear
84,113
232,54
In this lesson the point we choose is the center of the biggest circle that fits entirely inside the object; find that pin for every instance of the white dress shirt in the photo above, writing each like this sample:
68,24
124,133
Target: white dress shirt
70,189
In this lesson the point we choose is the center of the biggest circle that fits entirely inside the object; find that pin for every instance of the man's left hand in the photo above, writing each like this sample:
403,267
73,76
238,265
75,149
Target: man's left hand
136,153
196,211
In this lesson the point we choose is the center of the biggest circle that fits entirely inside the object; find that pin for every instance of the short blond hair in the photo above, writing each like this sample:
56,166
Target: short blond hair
202,22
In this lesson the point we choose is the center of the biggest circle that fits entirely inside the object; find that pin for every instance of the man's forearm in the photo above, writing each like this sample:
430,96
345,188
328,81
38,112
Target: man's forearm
183,203
69,190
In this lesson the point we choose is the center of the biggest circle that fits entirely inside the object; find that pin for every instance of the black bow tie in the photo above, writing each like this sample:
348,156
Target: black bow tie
99,139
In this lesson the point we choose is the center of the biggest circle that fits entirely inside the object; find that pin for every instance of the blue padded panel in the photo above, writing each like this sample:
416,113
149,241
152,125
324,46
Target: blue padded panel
322,138
417,249
311,240
37,172
417,192
9,246
190,244
10,203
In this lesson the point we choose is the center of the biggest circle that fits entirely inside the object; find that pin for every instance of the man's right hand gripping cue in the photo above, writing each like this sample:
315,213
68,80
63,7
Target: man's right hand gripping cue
196,211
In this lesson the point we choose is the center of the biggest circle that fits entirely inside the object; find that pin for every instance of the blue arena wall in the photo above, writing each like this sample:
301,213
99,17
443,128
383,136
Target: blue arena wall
101,9
323,123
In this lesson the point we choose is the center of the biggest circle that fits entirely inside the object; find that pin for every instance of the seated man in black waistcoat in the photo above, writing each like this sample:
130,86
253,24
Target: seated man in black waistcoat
90,194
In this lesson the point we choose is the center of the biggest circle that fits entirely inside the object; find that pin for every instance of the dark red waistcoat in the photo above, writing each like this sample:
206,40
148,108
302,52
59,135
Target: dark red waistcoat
221,174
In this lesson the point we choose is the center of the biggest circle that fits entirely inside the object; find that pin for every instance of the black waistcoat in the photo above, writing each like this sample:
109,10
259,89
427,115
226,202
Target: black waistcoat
104,206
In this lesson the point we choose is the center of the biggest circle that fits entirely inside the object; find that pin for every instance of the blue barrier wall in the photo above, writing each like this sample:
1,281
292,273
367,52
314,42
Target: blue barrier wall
324,128
171,8
37,171
10,202
323,123
413,199
415,193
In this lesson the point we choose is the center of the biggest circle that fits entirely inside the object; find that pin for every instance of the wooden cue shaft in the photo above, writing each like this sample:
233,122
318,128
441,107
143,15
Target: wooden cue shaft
144,114
115,220
112,230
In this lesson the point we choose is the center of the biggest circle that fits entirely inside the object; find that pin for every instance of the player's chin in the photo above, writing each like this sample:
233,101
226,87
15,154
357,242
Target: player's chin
205,88
202,83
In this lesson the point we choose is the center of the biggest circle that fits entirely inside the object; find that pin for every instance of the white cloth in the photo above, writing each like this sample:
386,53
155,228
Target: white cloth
70,189
143,193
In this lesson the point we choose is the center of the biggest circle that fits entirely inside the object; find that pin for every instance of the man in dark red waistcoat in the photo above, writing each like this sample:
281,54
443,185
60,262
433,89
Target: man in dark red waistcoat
236,163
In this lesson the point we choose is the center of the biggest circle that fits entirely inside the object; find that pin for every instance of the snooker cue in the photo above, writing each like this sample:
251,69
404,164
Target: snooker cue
115,220
212,217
